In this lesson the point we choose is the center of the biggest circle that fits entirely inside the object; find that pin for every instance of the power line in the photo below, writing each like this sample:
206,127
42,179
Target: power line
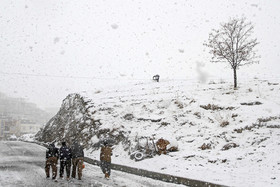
60,76
80,77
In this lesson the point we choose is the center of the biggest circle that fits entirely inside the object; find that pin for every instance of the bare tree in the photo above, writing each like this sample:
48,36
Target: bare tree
232,43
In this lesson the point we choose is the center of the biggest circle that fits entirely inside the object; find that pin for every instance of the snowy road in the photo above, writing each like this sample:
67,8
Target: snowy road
22,164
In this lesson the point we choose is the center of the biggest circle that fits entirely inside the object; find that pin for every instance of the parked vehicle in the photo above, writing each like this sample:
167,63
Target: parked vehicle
12,138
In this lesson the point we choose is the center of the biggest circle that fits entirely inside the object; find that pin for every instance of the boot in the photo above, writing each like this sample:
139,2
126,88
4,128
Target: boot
106,175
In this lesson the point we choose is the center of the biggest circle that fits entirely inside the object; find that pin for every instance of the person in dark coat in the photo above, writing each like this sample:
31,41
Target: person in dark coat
51,160
105,159
77,160
65,160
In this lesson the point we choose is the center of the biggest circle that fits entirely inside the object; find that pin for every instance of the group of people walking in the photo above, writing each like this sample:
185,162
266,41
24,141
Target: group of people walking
74,156
68,156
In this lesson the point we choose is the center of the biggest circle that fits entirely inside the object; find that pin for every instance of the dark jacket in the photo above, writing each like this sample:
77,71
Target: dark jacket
106,153
65,153
52,151
77,151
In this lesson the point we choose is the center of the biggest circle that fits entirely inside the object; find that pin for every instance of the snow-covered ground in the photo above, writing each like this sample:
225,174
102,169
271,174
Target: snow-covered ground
246,119
22,164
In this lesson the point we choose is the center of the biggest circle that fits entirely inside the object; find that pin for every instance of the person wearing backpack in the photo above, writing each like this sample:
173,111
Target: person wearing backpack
77,160
105,159
51,161
65,160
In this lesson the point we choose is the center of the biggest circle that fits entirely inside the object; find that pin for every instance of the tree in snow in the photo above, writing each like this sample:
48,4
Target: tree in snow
232,43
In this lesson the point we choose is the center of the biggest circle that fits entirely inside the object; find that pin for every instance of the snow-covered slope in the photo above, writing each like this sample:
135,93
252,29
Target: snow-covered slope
225,136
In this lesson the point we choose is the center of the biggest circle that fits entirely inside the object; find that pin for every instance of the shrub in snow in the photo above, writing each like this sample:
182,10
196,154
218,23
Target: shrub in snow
252,103
224,123
238,130
205,146
234,115
179,104
197,114
128,117
164,124
223,118
211,107
215,107
229,146
165,145
260,120
98,91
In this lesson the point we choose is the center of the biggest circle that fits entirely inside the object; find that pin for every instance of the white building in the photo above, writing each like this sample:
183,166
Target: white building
29,127
9,127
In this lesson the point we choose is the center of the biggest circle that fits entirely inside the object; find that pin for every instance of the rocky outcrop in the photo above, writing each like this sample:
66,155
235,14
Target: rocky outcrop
75,122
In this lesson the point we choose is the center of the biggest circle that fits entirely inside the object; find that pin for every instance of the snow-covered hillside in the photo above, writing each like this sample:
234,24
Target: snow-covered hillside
225,136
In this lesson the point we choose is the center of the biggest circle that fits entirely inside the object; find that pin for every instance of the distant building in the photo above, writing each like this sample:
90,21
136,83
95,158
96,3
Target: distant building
9,127
29,127
18,117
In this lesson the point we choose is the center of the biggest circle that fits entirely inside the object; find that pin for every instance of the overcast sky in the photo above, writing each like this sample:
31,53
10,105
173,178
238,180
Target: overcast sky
49,48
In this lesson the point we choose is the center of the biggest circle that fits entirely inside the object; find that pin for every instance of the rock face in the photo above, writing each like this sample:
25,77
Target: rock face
75,122
72,122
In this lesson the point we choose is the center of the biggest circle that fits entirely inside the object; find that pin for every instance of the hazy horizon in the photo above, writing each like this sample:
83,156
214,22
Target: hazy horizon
52,48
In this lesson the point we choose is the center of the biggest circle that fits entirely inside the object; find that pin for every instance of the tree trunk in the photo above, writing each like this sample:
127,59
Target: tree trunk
235,78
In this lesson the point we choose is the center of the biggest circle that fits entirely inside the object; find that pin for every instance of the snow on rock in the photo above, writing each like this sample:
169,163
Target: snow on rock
76,122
